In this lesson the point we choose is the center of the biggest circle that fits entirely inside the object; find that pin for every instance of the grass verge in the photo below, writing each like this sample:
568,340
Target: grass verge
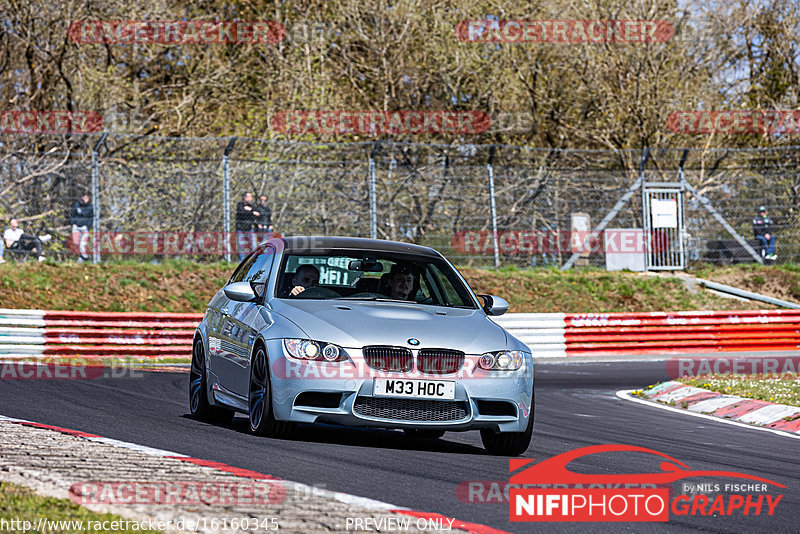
783,390
185,286
18,503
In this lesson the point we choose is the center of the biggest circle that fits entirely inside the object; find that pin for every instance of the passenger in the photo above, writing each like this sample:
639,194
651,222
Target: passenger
304,277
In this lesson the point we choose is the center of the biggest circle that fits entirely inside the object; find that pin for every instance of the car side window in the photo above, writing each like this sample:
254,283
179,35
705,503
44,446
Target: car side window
243,269
451,296
257,272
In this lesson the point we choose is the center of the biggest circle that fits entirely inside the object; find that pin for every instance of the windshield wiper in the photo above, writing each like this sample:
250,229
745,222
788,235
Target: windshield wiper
380,299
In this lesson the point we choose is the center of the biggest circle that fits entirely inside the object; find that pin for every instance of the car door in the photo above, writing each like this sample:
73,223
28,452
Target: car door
221,342
243,323
217,313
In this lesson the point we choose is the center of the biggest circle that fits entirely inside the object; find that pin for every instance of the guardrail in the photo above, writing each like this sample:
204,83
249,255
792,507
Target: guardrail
40,333
571,334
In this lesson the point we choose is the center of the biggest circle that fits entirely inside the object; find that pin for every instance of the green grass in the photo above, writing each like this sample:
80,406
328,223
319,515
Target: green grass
20,503
784,390
181,285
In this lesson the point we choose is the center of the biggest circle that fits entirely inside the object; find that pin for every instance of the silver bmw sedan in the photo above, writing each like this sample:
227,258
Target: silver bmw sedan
360,332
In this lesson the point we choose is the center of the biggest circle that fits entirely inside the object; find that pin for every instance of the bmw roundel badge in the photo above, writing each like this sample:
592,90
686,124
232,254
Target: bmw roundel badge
413,341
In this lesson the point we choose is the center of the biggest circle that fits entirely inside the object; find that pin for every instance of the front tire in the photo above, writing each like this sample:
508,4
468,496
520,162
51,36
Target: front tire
199,406
508,443
262,419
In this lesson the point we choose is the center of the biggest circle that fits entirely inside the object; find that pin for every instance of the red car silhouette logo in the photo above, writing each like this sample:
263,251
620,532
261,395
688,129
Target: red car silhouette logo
554,470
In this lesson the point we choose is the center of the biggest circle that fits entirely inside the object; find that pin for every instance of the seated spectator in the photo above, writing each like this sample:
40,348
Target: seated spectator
401,282
762,229
306,276
15,239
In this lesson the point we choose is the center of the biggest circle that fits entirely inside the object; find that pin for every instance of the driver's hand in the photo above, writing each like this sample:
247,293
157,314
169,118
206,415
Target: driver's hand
296,290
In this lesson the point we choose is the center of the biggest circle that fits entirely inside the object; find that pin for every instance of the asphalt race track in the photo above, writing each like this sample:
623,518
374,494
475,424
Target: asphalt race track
576,407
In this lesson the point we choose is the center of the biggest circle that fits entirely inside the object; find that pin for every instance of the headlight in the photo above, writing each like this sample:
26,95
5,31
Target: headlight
506,360
306,349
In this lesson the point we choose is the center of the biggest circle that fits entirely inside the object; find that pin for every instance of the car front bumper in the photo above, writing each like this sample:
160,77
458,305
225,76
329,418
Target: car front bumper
348,387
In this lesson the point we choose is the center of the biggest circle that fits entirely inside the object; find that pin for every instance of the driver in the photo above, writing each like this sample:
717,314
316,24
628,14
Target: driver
305,276
402,282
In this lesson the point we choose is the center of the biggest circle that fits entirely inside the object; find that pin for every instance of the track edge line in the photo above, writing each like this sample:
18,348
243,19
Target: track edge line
625,394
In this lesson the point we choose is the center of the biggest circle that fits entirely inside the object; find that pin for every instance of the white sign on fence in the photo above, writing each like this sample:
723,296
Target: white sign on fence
665,213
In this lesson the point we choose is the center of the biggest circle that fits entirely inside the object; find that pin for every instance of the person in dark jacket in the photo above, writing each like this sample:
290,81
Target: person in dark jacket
762,229
265,218
246,221
81,217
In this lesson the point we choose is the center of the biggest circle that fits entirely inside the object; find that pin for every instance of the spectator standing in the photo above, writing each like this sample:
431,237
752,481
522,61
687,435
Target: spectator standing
16,239
762,229
81,217
246,217
264,219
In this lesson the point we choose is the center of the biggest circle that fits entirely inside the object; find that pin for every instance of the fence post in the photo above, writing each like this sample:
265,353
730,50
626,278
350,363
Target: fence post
96,200
373,197
226,199
490,169
616,209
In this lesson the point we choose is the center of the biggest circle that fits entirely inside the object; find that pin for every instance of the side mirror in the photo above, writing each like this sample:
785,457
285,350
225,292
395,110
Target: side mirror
494,305
240,292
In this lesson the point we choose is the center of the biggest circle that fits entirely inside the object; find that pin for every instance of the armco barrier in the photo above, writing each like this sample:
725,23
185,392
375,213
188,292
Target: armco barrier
39,333
570,334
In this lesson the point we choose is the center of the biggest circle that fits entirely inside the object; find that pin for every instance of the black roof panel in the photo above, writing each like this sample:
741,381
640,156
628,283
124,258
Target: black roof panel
298,244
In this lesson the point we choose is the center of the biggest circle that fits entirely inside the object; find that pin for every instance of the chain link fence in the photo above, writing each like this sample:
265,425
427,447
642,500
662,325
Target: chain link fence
481,205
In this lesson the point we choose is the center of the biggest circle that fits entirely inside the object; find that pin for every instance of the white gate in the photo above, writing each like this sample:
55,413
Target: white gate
662,204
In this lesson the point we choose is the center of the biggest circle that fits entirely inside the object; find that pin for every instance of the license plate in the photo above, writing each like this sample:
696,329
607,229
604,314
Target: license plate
418,389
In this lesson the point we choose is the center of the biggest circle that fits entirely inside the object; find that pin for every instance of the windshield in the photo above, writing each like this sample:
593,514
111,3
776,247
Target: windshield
371,276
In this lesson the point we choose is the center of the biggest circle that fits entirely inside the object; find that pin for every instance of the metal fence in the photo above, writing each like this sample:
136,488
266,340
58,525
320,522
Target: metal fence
461,199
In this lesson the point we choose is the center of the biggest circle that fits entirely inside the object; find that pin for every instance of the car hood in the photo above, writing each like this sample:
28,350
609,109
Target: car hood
354,324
